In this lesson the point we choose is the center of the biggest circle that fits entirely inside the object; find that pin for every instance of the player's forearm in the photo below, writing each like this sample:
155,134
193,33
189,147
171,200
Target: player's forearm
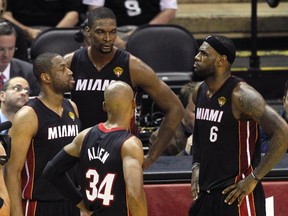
5,208
138,205
14,189
56,173
166,132
278,147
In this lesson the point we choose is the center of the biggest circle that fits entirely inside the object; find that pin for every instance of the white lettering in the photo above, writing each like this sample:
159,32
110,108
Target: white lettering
209,114
101,154
62,131
92,85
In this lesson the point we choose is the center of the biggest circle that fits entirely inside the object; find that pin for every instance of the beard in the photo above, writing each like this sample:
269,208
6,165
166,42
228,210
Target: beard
204,73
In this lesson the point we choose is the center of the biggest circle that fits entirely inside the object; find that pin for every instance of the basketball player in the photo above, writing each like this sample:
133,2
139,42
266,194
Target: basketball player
40,130
96,66
110,160
226,170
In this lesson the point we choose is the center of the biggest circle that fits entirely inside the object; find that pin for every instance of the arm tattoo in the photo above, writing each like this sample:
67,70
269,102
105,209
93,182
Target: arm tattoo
251,104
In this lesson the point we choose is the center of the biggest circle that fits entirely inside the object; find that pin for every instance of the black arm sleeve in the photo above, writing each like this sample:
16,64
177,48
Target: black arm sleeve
56,173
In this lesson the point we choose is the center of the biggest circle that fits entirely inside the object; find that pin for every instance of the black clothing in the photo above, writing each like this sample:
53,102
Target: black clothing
54,132
226,148
88,93
101,166
42,12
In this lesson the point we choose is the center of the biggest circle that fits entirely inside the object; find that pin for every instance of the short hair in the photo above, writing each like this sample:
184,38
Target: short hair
7,29
7,83
185,93
43,63
100,13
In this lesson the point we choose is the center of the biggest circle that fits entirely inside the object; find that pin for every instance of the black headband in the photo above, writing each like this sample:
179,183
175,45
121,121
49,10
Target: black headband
220,48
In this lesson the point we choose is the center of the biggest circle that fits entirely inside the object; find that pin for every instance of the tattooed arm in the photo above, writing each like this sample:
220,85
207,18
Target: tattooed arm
249,104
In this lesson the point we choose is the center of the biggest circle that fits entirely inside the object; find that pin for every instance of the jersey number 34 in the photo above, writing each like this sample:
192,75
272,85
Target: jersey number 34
103,191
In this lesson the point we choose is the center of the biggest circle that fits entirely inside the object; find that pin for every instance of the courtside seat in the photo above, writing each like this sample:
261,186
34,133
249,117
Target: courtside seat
58,40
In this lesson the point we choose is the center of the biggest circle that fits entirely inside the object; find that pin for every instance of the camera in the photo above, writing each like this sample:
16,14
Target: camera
5,140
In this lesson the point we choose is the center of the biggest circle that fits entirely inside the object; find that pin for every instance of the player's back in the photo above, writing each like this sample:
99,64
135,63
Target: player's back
102,181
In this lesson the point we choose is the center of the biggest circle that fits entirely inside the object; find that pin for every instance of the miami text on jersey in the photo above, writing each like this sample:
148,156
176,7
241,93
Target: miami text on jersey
92,85
209,114
101,154
62,131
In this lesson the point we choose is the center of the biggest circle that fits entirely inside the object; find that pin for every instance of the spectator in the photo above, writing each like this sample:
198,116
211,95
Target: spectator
40,130
117,164
264,137
227,168
34,16
12,67
14,95
21,44
182,140
96,66
131,14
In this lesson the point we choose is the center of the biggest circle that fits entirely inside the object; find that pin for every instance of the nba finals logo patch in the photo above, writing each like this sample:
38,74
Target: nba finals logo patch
118,71
221,101
72,116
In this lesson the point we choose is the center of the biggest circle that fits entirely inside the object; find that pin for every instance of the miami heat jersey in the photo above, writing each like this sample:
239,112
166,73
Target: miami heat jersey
88,92
54,132
102,180
226,148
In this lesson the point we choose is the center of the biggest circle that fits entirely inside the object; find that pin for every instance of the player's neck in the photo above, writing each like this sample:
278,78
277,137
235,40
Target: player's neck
53,102
215,83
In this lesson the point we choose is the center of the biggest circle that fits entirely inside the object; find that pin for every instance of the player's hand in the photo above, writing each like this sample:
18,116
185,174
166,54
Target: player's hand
239,190
85,213
147,162
195,189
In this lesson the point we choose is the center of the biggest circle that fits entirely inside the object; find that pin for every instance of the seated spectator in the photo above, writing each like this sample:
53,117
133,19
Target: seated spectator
182,140
10,66
33,16
265,138
131,14
22,47
14,95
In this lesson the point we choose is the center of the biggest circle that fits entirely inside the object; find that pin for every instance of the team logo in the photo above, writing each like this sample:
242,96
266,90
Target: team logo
221,101
118,71
72,116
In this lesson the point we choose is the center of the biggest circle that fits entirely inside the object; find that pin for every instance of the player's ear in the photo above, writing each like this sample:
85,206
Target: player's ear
104,106
87,30
45,77
2,96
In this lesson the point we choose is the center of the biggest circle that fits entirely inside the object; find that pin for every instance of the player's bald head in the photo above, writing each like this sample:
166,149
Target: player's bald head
118,95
